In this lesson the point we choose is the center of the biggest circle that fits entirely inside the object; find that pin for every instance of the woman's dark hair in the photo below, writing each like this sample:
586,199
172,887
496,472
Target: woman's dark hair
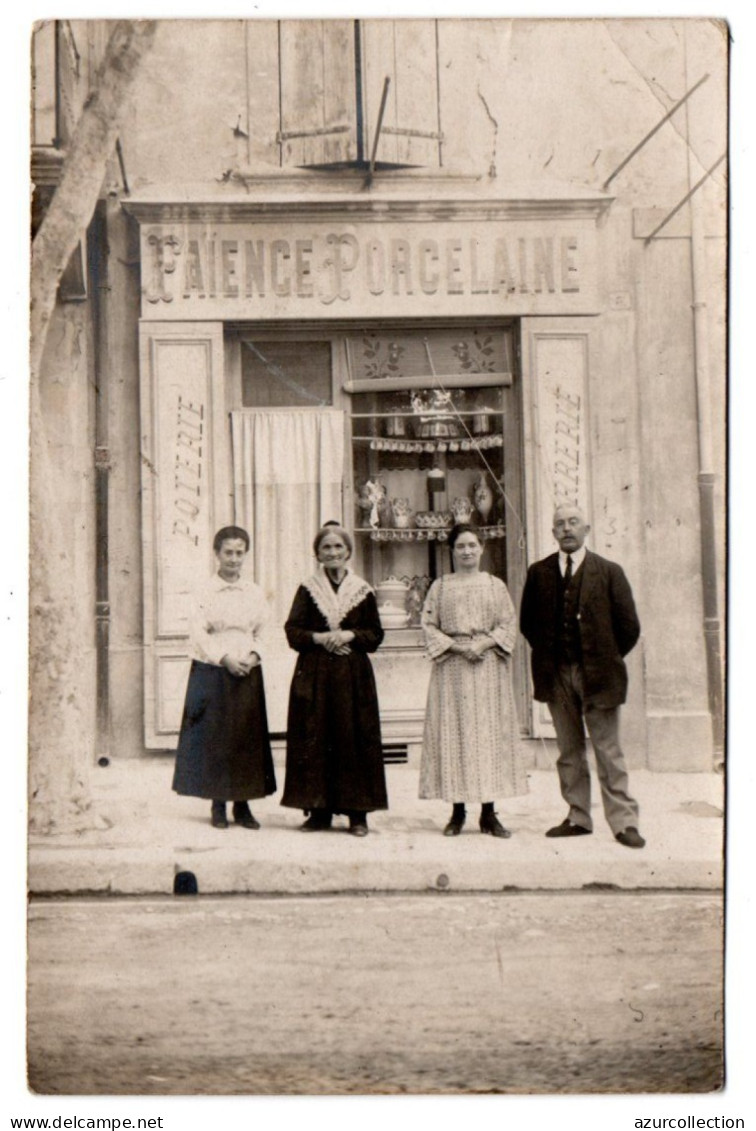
227,532
463,528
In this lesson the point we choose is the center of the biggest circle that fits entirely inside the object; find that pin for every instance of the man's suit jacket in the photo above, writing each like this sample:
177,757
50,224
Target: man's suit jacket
607,620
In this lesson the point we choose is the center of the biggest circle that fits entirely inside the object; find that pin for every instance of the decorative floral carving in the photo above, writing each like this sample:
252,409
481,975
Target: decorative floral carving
476,355
384,357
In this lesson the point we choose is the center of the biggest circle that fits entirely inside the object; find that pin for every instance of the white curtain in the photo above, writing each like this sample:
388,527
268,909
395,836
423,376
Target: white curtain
288,472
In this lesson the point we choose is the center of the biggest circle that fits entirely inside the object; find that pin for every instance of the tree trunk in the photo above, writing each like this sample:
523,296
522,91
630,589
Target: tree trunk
61,745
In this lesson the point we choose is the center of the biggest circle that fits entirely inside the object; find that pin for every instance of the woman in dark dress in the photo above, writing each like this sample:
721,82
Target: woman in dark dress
224,748
334,756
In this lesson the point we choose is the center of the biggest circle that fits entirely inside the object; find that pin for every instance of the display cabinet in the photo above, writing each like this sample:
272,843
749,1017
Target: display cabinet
428,416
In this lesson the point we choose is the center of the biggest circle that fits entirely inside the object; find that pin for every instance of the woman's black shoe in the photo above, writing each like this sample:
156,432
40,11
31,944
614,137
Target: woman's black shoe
457,819
318,821
218,815
243,816
490,823
358,823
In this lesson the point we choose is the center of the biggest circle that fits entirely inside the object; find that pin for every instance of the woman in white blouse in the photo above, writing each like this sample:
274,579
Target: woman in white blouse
224,747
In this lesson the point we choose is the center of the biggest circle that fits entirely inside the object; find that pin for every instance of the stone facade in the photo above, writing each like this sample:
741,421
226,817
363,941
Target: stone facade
530,121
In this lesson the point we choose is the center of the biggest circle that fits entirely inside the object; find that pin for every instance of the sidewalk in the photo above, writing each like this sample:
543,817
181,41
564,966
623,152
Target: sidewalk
154,833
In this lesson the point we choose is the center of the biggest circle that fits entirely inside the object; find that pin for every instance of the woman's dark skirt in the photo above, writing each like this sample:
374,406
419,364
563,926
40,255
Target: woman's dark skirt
334,755
224,747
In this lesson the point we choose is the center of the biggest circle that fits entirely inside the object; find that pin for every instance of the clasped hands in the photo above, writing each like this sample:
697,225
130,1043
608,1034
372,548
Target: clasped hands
337,641
473,650
240,667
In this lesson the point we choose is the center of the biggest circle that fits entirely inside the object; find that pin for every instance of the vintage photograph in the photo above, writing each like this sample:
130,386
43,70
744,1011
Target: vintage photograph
378,570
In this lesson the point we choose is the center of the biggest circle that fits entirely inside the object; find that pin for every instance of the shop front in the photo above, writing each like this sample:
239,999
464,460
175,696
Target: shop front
392,362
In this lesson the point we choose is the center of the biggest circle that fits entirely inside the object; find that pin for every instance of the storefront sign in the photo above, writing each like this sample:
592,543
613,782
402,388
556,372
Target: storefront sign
319,270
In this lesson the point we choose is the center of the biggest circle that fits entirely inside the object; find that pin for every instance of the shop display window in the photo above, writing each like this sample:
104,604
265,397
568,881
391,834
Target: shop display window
428,415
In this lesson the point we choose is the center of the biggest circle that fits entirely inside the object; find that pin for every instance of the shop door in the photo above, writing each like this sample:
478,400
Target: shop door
436,434
287,446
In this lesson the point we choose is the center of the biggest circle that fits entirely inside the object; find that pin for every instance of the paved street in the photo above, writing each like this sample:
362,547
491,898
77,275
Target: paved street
516,993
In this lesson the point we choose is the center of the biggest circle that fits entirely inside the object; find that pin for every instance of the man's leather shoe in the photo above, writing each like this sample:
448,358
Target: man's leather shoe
630,837
490,823
454,826
218,815
358,828
243,816
569,828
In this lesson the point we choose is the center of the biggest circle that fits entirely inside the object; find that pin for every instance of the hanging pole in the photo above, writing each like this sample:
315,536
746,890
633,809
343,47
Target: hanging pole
685,199
655,130
381,112
122,166
706,459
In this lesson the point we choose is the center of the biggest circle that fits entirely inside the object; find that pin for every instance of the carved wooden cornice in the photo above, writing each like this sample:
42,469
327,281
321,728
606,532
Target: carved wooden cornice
421,199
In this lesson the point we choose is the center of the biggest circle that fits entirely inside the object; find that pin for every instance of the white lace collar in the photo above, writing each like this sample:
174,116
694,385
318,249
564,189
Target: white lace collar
335,604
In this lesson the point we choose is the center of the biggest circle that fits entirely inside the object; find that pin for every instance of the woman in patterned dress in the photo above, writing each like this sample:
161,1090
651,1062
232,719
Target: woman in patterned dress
470,741
334,754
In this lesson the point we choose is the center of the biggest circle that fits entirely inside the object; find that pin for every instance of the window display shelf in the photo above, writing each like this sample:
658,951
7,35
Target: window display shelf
447,444
412,534
429,427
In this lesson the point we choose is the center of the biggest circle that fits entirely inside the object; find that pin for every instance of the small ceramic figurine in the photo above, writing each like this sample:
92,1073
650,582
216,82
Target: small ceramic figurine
372,498
401,512
418,591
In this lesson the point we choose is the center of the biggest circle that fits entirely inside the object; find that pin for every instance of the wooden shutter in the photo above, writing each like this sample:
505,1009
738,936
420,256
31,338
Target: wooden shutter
185,499
405,51
318,100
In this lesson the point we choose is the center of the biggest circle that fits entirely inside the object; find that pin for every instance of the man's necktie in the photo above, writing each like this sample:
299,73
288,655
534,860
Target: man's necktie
568,570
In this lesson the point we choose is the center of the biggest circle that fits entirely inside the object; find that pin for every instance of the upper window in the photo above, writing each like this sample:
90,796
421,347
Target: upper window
285,374
333,77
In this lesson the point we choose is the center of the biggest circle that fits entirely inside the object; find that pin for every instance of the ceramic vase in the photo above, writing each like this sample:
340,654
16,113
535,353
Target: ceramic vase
483,496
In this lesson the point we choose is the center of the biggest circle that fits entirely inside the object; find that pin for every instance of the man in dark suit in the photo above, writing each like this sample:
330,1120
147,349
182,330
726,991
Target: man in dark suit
578,615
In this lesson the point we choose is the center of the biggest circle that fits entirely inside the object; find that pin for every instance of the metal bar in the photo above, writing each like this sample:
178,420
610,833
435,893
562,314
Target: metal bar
655,130
410,415
450,381
710,609
57,140
438,101
322,131
358,91
685,199
398,131
122,166
99,268
381,112
279,139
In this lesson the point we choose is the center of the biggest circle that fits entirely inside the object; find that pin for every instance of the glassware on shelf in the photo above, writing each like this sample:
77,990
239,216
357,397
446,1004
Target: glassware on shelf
462,509
433,520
